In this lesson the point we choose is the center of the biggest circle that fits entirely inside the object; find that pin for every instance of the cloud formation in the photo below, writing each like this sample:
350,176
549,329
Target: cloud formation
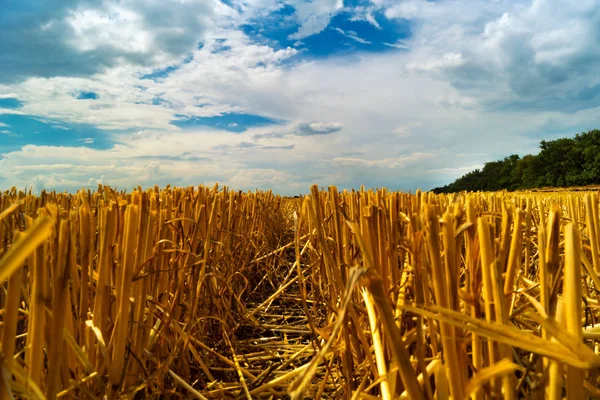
83,37
318,128
313,16
302,129
540,55
283,94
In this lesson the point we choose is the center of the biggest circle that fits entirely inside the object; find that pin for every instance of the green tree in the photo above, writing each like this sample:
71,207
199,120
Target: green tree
561,162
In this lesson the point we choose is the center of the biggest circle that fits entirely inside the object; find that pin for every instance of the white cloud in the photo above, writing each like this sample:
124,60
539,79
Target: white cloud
398,45
318,128
265,178
483,79
391,163
300,129
219,77
362,13
523,54
314,16
68,168
402,131
446,60
114,26
352,35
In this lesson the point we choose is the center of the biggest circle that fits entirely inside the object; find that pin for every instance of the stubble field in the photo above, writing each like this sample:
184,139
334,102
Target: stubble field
210,293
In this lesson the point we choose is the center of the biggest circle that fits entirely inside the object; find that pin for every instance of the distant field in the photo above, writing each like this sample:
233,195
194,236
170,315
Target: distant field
210,293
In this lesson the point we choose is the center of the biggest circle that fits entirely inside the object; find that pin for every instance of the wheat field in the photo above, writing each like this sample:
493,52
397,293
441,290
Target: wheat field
209,293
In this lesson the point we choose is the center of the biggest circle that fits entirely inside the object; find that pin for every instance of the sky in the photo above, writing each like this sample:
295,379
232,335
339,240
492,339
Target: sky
283,94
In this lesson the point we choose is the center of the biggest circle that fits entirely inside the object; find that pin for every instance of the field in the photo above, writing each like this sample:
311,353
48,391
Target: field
209,293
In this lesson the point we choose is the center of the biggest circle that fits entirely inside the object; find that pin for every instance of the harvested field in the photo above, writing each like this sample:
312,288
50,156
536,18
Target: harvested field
209,293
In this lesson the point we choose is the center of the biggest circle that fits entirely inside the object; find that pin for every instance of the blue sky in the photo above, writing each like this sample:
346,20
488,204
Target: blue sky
281,94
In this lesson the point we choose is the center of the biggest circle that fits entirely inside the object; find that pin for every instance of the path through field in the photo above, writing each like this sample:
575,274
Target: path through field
273,342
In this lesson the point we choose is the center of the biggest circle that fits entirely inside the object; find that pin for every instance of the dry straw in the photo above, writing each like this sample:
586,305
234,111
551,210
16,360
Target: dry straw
209,293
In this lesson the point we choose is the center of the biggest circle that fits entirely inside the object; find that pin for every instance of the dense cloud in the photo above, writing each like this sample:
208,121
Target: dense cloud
80,38
302,129
318,128
313,16
540,55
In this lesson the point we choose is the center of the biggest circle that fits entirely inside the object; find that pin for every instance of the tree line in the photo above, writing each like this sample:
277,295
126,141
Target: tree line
560,163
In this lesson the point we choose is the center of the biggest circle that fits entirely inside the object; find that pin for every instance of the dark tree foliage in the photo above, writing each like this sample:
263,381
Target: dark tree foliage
560,163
